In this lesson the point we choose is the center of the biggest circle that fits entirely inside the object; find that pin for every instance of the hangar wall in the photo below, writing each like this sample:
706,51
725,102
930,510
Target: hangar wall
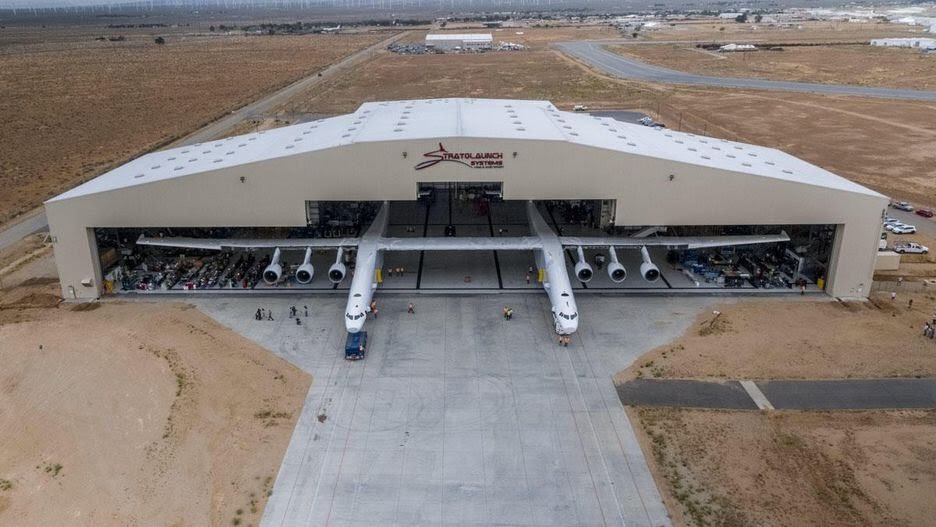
273,193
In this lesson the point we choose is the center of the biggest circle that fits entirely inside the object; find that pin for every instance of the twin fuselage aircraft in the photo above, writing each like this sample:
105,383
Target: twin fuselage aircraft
548,249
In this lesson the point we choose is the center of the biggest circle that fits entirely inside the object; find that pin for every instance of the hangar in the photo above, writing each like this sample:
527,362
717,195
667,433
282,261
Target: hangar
509,170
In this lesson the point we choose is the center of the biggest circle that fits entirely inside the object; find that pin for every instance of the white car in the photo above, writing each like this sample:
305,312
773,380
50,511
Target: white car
888,219
911,248
903,205
894,225
904,229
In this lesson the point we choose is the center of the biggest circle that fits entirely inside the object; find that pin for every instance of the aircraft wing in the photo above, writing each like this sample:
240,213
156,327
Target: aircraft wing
674,242
218,244
517,243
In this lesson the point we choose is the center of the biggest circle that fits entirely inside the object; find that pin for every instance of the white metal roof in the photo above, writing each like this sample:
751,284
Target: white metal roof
474,118
467,37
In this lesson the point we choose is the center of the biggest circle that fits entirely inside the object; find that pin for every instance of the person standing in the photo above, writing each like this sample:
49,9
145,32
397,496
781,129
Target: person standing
306,308
893,295
528,278
269,314
410,308
373,308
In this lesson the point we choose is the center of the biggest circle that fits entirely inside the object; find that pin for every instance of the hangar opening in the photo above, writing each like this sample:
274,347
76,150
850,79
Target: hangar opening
467,211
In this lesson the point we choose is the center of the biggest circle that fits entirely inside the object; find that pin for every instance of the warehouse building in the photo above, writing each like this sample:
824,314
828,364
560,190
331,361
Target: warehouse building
468,167
460,42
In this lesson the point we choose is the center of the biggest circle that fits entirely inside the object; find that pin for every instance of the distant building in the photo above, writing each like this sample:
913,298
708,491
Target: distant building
738,47
460,42
917,43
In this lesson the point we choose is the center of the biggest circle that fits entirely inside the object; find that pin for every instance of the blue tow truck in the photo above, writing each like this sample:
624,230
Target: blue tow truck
356,346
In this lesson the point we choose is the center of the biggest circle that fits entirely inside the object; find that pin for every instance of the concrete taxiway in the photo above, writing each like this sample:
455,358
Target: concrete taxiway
458,417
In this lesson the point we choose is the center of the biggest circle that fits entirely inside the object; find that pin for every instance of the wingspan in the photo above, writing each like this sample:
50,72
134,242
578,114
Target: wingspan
674,242
218,244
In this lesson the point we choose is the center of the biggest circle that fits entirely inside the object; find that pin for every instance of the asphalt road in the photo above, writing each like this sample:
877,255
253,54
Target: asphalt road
847,394
36,220
595,54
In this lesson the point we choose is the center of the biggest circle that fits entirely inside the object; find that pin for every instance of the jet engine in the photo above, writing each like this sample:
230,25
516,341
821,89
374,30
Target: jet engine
337,271
583,271
616,272
274,271
305,272
648,270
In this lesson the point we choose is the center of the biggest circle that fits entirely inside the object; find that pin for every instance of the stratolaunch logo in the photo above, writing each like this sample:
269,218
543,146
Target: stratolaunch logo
469,159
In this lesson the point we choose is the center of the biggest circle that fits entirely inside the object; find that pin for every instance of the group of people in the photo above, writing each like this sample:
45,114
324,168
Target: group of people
929,328
267,314
508,312
395,271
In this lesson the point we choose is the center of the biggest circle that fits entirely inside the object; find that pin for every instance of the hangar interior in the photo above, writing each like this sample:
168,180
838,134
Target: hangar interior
464,209
466,168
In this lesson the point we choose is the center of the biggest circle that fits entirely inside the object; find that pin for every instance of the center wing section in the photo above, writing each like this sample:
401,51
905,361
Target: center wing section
218,244
673,242
518,243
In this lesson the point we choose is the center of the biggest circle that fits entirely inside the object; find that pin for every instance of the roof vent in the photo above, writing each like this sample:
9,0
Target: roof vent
401,123
631,144
517,122
397,129
306,132
612,129
787,171
716,148
216,145
177,168
771,163
206,152
732,156
216,161
567,127
156,167
573,133
185,151
706,157
737,147
745,164
138,176
229,153
678,141
296,140
521,129
242,145
194,159
172,158
359,122
251,138
691,149
289,147
622,137
346,135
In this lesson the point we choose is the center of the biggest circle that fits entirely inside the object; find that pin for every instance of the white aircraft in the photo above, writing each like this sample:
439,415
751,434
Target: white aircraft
548,249
331,29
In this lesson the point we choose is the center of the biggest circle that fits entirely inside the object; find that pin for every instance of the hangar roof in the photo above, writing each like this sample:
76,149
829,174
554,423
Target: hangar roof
471,118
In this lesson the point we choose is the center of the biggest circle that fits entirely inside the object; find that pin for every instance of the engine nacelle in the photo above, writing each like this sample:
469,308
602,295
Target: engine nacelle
305,272
616,272
648,270
337,272
583,271
274,271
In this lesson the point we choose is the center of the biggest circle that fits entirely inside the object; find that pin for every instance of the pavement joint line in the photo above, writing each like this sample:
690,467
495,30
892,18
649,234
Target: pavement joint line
757,395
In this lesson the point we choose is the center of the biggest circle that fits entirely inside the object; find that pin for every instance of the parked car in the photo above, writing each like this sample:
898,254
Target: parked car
892,226
580,108
903,205
889,219
911,248
926,213
904,229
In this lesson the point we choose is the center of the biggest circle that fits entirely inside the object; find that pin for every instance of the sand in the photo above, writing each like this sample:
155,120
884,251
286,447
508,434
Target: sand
736,468
136,414
776,339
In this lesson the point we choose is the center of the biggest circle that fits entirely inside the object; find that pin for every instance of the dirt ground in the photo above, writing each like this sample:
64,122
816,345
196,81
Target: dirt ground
74,107
736,468
805,31
862,65
790,339
155,415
